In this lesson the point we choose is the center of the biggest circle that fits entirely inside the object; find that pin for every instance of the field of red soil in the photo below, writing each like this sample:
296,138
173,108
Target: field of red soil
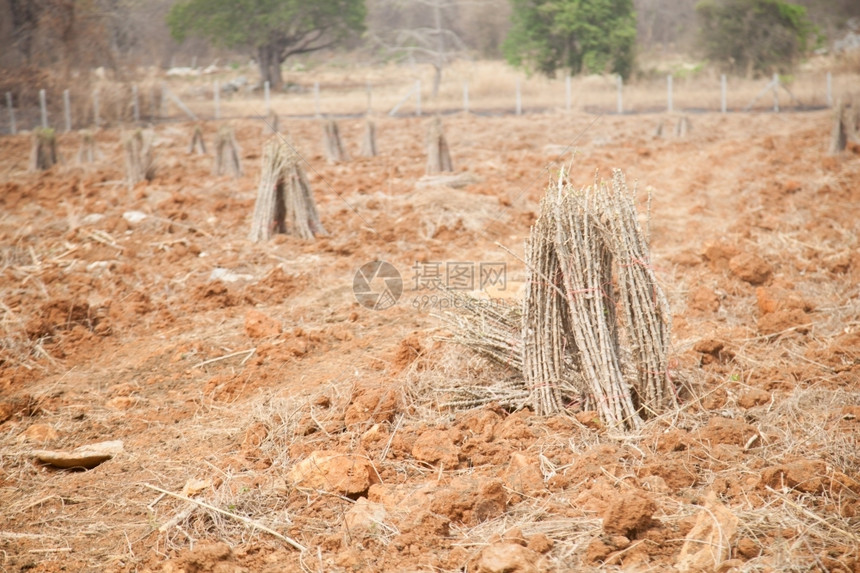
246,376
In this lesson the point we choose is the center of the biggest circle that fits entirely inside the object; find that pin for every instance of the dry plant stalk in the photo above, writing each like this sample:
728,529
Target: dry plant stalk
438,155
683,127
844,126
271,124
334,149
544,319
87,153
43,149
197,143
368,141
285,202
139,161
227,155
574,346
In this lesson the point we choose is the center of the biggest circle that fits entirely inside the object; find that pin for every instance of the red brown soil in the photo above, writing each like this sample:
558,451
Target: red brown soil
307,413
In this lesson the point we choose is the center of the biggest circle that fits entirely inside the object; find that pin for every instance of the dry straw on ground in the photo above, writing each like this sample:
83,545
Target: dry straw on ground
595,324
139,160
285,202
335,152
228,158
43,150
438,155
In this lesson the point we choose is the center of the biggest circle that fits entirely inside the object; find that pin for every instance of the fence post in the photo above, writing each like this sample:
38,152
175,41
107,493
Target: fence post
216,95
369,89
567,93
317,98
669,93
12,127
135,104
44,109
620,94
266,97
723,93
96,108
67,110
776,92
417,97
465,97
829,89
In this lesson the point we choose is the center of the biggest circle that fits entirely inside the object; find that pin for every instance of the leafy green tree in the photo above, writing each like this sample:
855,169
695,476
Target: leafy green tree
578,35
754,37
273,30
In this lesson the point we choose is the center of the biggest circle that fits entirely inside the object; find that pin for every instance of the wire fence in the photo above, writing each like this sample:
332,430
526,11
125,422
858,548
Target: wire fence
199,98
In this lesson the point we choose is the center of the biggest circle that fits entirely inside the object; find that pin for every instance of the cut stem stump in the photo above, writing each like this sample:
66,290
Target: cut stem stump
227,155
285,202
43,150
438,155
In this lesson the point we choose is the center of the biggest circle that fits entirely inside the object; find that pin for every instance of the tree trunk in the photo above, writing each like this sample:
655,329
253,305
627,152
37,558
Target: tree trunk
269,60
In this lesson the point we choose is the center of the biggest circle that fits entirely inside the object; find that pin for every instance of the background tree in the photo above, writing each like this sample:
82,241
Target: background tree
580,35
754,37
273,30
437,32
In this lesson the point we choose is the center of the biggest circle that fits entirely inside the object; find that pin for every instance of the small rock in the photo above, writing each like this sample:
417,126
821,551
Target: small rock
86,457
134,217
507,558
259,325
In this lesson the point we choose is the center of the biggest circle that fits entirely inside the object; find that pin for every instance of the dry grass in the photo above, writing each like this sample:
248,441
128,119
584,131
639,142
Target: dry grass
492,87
